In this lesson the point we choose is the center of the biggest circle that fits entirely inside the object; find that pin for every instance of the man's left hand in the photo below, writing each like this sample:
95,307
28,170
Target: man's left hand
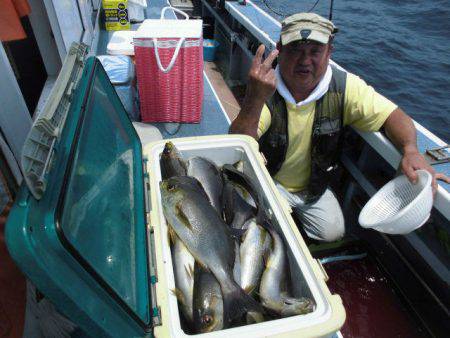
412,161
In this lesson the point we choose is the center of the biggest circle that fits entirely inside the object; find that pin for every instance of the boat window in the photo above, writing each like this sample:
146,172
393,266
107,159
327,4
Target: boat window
103,209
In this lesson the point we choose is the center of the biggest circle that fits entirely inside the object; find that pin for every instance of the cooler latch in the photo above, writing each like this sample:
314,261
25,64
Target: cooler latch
156,310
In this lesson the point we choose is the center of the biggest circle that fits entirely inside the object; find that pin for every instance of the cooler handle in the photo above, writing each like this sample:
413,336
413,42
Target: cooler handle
163,11
174,56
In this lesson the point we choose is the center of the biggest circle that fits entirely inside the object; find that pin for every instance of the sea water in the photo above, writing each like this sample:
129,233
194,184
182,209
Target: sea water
401,48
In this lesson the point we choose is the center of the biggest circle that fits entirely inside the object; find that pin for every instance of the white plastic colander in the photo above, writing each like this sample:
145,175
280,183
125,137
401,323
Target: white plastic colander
400,206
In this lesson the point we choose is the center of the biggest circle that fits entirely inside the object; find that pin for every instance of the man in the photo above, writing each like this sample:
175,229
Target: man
297,112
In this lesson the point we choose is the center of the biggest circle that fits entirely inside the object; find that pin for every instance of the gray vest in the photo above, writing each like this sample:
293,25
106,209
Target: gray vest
326,136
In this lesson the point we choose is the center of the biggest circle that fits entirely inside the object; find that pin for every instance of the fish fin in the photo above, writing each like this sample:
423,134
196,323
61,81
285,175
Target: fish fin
266,256
189,270
249,289
172,234
177,293
254,317
236,304
202,266
239,165
266,223
183,218
238,234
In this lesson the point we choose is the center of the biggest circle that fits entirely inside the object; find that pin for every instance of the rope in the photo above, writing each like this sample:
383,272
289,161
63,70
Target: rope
286,14
274,11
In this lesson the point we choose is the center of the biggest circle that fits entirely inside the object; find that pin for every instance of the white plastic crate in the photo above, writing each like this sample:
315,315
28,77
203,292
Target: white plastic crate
307,276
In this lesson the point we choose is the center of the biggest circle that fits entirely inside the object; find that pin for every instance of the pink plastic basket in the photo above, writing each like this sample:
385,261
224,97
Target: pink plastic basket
169,73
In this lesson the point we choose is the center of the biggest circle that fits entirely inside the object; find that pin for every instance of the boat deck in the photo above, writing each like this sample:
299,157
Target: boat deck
219,107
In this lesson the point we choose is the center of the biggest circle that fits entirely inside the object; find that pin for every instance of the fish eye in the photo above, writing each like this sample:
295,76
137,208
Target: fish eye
207,319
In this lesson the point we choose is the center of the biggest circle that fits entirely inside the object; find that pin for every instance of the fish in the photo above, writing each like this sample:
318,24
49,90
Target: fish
183,263
272,288
208,302
235,209
245,195
254,244
234,175
239,165
237,264
209,176
172,164
209,240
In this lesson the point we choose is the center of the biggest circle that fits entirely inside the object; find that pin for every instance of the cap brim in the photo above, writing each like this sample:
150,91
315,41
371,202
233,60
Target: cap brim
316,36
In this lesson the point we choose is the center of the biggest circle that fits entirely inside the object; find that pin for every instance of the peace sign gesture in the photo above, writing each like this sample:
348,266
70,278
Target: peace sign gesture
261,85
261,78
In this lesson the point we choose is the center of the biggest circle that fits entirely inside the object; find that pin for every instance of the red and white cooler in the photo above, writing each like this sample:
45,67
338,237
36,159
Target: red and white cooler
169,69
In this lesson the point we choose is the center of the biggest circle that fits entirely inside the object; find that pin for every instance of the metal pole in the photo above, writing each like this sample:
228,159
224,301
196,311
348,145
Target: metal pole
331,10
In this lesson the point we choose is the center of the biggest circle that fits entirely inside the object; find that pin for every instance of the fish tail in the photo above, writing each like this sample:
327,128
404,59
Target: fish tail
236,304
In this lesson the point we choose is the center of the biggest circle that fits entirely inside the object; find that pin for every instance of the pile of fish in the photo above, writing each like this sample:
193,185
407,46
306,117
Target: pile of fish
230,264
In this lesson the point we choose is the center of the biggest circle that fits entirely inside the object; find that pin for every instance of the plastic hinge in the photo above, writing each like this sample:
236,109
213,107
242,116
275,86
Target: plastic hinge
152,256
148,205
157,316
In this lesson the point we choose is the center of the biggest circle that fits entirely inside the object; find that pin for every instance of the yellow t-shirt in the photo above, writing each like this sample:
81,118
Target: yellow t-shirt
364,109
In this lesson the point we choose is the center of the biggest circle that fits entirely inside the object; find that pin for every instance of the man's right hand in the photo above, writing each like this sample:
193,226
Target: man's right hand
261,85
261,78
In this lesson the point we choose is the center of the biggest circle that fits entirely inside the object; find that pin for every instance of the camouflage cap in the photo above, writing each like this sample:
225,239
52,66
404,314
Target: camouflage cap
306,26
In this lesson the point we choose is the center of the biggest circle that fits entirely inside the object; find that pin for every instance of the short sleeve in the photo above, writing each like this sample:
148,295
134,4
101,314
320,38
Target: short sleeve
364,108
264,121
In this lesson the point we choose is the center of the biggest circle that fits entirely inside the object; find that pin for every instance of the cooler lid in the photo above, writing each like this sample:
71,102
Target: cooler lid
153,28
82,239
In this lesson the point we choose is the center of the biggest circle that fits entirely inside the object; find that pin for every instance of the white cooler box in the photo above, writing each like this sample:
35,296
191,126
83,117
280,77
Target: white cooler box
308,276
87,227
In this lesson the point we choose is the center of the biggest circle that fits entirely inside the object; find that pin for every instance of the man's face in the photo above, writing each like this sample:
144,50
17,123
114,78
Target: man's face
303,64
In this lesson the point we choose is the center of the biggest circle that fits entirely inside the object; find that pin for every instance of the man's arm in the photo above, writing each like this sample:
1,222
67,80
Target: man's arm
261,85
401,131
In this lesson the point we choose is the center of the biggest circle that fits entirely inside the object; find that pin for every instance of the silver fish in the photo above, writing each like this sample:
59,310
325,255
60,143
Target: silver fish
254,244
271,291
208,302
209,177
237,264
172,164
245,195
235,208
209,240
244,180
183,264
